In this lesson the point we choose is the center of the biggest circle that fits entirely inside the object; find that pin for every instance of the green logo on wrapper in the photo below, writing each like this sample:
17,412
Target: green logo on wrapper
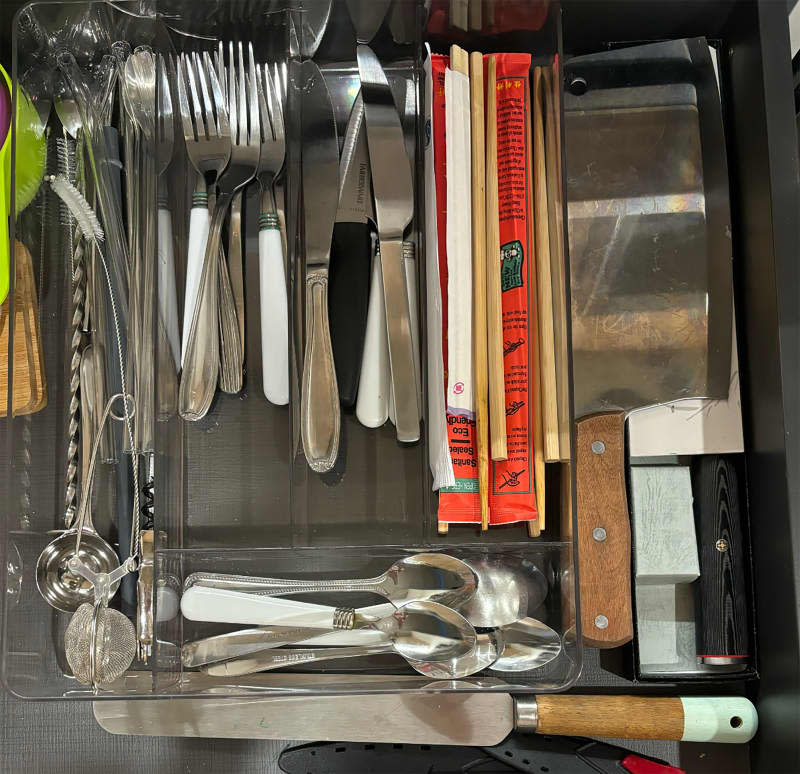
463,485
511,258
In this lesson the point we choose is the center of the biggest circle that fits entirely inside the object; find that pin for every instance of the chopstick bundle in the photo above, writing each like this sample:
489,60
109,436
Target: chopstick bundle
479,341
494,301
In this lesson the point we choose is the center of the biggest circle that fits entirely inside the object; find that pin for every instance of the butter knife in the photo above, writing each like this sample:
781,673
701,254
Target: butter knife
320,418
393,189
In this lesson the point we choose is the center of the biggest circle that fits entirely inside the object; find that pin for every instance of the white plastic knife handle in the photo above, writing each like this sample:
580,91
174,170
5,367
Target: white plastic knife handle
274,311
167,291
200,603
372,404
199,222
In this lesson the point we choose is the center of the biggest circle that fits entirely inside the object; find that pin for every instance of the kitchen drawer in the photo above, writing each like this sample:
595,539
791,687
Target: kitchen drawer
752,38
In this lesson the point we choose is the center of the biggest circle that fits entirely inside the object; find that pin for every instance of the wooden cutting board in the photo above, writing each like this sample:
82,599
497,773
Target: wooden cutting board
30,389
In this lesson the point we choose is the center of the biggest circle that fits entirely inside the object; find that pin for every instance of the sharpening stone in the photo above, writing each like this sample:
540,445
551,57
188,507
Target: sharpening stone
664,542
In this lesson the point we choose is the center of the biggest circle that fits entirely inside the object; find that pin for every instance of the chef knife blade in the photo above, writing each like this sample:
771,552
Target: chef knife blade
650,280
394,205
367,17
314,18
320,418
352,257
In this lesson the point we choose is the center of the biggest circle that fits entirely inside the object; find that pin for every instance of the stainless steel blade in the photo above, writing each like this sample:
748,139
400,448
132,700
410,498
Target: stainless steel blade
389,162
314,18
649,231
355,181
393,186
320,165
466,719
367,17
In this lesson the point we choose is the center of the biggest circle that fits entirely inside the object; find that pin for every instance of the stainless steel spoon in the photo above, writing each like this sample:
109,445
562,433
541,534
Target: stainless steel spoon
432,638
529,644
429,576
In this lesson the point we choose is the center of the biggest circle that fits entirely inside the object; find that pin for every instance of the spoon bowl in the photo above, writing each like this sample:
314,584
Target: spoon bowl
488,648
425,632
63,589
529,644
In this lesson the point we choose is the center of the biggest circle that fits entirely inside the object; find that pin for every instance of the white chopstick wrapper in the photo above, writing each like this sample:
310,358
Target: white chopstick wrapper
201,603
459,245
438,447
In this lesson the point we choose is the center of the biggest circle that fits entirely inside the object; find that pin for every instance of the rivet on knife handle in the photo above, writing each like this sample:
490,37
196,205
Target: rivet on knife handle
604,532
320,416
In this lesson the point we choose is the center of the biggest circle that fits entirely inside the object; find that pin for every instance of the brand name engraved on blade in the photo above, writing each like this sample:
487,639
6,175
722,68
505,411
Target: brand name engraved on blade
362,183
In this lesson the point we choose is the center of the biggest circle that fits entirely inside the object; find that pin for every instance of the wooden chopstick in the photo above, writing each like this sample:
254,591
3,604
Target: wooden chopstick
479,351
544,279
494,301
535,527
557,261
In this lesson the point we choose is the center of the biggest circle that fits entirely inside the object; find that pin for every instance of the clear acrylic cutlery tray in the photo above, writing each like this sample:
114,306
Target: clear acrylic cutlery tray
232,492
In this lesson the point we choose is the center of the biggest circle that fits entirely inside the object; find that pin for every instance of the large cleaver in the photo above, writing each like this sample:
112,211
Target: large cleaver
650,262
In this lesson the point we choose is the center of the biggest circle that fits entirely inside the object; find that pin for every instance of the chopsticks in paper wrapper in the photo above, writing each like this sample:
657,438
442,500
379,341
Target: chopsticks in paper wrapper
512,482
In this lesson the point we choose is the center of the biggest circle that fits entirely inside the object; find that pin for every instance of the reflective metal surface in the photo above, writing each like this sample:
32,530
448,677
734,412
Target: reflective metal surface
393,187
314,19
650,246
502,594
63,589
431,637
367,17
435,577
355,180
529,644
320,415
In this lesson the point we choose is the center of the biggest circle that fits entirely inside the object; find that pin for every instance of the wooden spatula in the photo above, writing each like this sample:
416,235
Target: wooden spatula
30,389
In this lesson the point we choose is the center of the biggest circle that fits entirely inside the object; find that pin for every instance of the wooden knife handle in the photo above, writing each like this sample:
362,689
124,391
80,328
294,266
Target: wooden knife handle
604,531
731,719
721,592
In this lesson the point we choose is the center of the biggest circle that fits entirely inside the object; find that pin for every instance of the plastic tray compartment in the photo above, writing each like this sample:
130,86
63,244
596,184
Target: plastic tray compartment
232,492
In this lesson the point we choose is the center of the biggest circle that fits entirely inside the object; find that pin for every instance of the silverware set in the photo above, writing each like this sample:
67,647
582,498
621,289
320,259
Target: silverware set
440,600
232,118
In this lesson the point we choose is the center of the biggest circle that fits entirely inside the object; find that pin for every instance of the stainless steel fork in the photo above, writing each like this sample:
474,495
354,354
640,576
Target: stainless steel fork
244,120
208,144
271,266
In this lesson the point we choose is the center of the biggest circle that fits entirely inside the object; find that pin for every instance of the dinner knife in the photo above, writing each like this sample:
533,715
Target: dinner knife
394,206
351,259
320,418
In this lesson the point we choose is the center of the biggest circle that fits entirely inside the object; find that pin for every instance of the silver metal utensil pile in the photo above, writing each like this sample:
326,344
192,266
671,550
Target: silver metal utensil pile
439,601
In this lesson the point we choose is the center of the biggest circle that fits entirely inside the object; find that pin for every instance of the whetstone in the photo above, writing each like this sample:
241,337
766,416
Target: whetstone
664,542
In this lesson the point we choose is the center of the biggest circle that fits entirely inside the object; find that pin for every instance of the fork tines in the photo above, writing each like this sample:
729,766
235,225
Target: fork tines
204,115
